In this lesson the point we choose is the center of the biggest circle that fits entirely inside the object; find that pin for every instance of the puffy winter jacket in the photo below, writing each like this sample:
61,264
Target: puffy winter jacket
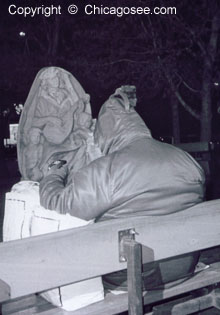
136,176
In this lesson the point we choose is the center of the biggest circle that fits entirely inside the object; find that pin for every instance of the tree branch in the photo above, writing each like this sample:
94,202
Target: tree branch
168,77
186,84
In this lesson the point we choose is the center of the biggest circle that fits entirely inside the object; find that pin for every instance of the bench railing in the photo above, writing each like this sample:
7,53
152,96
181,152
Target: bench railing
48,261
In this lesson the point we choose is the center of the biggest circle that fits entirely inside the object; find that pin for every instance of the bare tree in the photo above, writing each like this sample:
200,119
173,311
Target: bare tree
177,53
186,49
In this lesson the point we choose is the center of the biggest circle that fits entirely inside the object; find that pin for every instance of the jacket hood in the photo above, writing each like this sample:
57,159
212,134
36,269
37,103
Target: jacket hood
68,114
118,124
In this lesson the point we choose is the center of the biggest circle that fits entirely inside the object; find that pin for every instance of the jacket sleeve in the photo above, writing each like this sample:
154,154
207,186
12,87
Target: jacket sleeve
87,197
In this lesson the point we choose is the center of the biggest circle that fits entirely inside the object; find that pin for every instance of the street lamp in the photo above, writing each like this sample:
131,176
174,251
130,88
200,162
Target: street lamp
22,34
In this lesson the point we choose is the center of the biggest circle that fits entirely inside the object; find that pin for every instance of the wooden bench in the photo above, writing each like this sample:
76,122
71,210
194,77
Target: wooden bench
43,262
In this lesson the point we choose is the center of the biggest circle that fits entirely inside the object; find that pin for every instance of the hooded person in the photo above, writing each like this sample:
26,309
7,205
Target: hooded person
58,110
136,176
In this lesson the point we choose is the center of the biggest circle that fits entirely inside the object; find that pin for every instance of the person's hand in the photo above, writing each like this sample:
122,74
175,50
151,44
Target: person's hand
58,167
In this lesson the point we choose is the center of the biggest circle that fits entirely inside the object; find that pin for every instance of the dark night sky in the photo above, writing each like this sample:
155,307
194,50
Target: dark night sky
85,45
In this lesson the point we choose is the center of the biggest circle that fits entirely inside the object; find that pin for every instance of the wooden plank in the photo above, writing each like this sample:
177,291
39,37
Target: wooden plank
32,304
134,275
185,305
114,304
27,304
29,265
194,146
216,297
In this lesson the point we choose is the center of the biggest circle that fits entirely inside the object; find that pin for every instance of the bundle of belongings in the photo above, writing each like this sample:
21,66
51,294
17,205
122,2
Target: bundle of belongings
24,217
89,171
